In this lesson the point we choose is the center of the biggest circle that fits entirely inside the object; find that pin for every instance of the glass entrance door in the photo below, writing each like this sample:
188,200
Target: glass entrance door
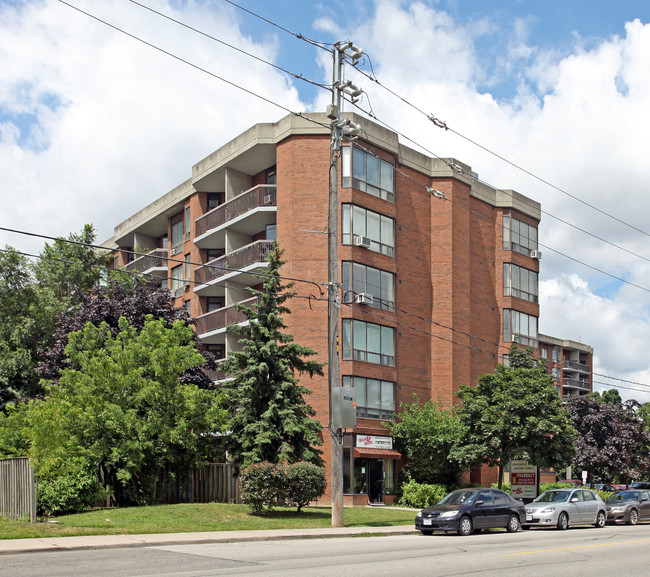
375,468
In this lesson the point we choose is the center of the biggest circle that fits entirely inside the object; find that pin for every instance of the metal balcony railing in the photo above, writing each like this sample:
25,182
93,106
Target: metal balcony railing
261,195
221,318
577,366
576,383
234,261
155,259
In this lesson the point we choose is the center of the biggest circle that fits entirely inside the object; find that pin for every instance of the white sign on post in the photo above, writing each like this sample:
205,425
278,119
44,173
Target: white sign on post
523,480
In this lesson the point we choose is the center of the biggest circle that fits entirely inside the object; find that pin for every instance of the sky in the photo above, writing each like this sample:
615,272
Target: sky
547,98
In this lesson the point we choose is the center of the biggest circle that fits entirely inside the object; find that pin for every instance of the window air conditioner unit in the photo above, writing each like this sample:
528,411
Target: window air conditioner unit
173,252
362,241
364,299
536,254
268,199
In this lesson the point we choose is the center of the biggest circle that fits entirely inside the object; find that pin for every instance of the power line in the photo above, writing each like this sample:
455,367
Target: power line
268,63
188,63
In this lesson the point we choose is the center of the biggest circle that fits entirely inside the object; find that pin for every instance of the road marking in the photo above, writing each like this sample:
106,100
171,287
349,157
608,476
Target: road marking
579,547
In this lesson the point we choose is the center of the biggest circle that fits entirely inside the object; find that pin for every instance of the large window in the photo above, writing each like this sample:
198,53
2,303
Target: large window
519,327
368,342
359,278
519,282
177,232
366,172
375,399
359,222
177,277
518,235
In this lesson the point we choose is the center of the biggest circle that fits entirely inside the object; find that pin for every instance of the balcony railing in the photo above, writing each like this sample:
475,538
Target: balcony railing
155,259
221,318
576,366
234,261
576,383
261,195
216,374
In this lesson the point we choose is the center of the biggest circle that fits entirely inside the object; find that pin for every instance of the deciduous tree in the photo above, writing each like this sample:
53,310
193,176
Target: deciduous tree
515,413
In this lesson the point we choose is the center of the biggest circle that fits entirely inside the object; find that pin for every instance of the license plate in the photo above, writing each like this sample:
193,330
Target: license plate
426,521
529,517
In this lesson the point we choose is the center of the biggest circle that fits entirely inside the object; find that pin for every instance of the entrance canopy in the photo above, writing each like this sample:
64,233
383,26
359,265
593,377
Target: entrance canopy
363,452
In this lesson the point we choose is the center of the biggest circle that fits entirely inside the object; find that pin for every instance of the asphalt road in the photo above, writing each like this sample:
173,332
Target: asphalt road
579,552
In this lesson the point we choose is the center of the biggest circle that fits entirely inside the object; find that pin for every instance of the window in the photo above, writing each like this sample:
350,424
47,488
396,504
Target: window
212,253
177,233
271,232
216,350
177,277
214,303
519,327
518,236
368,342
188,223
359,278
164,242
519,282
270,175
214,199
379,229
375,399
187,270
366,172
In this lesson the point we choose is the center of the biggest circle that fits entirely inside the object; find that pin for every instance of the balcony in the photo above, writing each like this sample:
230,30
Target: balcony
576,366
248,213
242,263
153,263
217,374
576,384
215,323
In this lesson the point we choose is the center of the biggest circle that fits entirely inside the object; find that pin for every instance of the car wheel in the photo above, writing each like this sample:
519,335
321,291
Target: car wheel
634,517
563,522
513,524
601,519
426,531
465,526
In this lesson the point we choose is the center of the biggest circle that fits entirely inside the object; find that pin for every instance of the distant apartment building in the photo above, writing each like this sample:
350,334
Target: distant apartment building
570,362
439,272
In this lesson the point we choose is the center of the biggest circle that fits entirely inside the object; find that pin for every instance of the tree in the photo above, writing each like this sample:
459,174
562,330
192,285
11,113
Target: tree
426,435
120,415
515,413
23,328
611,397
269,419
613,440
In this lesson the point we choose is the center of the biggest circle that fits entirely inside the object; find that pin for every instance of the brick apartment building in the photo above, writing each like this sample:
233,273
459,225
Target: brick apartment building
439,271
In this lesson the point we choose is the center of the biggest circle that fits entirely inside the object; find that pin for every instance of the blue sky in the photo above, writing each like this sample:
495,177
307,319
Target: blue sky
94,125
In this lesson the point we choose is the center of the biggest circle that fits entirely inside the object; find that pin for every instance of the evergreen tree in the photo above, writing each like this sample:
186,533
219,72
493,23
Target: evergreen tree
269,419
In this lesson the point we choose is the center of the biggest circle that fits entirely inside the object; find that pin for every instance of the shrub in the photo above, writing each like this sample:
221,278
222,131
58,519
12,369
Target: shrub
305,483
69,493
263,485
420,495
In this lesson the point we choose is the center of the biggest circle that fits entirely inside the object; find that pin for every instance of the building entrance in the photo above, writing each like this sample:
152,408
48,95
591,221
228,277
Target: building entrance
375,480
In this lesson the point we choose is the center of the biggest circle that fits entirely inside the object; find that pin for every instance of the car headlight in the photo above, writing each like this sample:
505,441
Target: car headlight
419,515
548,510
618,509
448,514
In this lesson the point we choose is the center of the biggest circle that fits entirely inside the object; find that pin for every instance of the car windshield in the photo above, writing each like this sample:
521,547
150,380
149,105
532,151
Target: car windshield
459,498
553,497
624,496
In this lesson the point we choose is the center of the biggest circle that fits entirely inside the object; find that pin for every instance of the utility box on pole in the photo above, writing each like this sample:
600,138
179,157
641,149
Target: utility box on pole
344,408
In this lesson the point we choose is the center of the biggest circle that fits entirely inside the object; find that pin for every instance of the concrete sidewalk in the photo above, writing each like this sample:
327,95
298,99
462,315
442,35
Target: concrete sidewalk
12,546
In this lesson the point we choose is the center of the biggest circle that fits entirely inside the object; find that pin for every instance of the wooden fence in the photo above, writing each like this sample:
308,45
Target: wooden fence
17,489
213,483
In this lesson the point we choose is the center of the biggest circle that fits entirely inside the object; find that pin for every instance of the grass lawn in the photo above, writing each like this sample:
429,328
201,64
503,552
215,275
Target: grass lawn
197,517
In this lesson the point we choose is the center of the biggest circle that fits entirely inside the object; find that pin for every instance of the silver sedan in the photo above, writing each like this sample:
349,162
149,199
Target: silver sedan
562,508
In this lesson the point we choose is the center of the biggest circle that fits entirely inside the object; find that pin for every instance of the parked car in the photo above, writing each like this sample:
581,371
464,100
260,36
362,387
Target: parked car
471,510
640,485
628,506
562,508
574,482
604,487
